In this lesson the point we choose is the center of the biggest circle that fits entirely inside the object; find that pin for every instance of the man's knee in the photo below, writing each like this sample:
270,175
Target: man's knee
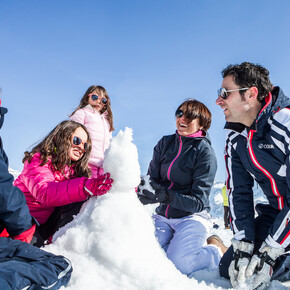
225,263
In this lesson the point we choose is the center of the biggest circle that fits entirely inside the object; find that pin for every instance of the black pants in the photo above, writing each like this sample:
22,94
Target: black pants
226,216
61,216
265,219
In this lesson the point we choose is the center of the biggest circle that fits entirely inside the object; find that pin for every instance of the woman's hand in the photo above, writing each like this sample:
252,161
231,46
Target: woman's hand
98,186
151,192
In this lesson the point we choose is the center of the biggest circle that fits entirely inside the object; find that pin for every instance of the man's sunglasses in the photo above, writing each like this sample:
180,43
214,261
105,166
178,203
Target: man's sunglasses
77,141
223,93
95,97
188,115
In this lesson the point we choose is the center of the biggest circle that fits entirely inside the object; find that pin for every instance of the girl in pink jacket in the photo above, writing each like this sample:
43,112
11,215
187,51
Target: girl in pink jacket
55,178
94,112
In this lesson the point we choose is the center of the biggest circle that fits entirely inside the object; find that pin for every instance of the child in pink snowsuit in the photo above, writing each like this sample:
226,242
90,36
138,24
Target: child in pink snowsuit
94,112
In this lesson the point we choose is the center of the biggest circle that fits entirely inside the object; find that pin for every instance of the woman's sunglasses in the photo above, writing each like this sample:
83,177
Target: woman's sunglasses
77,141
188,115
96,97
223,93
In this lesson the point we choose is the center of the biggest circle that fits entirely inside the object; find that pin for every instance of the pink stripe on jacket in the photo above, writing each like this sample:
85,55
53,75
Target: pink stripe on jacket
44,188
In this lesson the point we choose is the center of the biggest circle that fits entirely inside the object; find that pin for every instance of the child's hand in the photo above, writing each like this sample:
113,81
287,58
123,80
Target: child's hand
99,185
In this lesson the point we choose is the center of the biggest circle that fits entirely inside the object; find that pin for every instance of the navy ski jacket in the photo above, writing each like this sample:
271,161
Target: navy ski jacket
23,266
14,212
261,153
186,166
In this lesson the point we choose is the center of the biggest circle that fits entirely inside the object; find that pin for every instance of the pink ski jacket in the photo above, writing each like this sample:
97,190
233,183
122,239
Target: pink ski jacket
45,188
99,129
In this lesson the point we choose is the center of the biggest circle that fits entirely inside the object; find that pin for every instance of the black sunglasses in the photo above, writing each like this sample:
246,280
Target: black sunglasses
77,141
95,97
188,115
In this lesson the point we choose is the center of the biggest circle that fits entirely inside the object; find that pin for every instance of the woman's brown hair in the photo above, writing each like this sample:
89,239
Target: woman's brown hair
194,109
100,91
55,147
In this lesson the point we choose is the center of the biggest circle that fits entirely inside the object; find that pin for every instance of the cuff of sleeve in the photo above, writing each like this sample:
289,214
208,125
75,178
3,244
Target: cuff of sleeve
26,236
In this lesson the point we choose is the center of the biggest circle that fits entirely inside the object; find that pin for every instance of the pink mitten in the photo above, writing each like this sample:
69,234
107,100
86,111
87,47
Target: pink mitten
99,185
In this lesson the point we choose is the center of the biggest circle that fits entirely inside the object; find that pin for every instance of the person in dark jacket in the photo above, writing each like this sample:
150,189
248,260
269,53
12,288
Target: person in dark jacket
257,148
22,265
180,177
15,219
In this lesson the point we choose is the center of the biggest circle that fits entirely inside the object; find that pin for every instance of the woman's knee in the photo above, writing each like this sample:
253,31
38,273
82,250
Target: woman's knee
184,262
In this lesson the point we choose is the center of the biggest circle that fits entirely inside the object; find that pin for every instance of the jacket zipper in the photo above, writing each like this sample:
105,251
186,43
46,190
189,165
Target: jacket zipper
169,170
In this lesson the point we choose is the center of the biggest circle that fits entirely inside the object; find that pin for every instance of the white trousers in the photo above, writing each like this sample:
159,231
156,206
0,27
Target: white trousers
184,241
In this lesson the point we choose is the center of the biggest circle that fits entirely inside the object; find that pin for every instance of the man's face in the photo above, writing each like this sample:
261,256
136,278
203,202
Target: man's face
235,107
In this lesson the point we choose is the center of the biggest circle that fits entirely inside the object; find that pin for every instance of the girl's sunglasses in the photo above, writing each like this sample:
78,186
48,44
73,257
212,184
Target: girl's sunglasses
188,115
77,141
223,93
95,97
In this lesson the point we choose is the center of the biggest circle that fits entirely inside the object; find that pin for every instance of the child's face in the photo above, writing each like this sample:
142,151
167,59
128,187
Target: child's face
99,103
77,149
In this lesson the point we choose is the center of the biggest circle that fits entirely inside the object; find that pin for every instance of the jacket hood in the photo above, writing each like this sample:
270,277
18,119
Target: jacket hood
278,102
3,111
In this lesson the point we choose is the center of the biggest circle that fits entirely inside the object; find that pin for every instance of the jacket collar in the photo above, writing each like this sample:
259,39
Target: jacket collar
90,108
204,135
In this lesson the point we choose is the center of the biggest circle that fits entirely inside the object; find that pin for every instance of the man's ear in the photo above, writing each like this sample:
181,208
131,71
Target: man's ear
253,92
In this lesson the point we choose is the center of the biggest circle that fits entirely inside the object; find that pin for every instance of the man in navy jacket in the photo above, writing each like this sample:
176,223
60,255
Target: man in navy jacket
21,264
257,148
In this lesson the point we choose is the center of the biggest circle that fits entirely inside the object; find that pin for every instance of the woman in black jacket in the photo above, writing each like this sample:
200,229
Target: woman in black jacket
181,175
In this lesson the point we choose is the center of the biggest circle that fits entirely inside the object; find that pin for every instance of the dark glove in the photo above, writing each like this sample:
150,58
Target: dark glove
99,185
151,192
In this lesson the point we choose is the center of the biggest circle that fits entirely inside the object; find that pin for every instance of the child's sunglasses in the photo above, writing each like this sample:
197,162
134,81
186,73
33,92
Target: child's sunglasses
77,141
223,93
95,97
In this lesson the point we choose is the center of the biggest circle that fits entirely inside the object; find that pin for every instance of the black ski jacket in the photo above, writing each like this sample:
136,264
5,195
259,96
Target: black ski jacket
186,167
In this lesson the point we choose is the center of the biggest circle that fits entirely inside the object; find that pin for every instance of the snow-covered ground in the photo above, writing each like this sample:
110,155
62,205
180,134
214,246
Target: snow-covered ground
111,243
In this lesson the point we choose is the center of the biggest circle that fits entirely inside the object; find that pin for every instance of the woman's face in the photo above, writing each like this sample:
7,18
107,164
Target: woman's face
78,144
97,104
184,128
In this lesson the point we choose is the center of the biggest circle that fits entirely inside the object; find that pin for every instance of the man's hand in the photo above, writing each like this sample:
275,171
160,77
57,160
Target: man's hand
242,254
261,265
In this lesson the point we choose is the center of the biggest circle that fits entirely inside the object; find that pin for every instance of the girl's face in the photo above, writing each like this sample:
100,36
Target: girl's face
78,144
97,101
186,129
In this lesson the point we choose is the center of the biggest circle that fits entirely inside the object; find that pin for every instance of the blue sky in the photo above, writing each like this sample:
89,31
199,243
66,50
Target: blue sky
149,55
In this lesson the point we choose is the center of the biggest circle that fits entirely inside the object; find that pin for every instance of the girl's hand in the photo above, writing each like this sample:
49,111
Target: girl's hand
98,186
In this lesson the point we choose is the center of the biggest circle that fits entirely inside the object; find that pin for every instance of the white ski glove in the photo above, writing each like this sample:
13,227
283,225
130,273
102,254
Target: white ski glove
261,265
242,254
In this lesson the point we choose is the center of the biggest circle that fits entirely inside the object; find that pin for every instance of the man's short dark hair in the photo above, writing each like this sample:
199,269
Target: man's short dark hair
248,75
